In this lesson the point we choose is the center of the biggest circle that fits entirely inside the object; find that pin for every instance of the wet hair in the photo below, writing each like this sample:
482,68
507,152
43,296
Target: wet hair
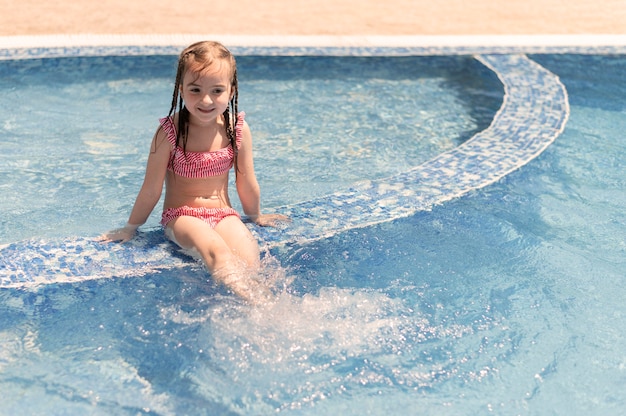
199,58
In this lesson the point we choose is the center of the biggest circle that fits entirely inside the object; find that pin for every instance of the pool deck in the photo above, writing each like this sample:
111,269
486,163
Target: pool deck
319,17
448,26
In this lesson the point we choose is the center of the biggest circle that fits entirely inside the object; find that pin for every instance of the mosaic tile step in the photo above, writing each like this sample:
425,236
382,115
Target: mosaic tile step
534,112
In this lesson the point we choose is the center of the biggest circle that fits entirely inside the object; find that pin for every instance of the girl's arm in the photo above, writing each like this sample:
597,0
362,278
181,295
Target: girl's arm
248,186
150,191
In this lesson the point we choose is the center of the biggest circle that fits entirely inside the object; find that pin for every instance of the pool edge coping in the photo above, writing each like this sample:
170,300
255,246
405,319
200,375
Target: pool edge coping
41,46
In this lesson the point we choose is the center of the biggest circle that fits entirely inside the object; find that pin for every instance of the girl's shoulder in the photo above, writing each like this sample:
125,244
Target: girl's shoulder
172,119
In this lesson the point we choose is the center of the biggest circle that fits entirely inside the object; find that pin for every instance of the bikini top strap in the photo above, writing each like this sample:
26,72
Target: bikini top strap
167,124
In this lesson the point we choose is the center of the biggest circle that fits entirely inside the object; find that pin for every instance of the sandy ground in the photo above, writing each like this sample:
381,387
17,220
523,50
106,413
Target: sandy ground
313,17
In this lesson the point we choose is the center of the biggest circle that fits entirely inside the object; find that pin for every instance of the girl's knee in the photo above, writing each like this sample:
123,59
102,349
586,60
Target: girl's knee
216,256
240,240
248,252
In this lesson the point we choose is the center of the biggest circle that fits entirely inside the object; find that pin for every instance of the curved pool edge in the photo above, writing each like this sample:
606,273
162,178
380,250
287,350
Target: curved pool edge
533,114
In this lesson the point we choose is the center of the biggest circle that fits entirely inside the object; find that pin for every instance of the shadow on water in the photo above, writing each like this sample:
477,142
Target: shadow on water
578,74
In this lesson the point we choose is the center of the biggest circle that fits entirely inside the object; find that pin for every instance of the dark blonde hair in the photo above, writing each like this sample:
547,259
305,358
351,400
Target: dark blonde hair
199,58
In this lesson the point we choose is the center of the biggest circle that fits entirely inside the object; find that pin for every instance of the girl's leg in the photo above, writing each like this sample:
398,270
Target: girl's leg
229,253
240,240
245,248
193,233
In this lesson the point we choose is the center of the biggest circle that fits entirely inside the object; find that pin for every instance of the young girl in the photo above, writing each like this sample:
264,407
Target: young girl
192,152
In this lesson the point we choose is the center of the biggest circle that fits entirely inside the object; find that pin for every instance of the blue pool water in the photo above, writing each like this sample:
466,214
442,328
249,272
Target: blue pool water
355,119
508,300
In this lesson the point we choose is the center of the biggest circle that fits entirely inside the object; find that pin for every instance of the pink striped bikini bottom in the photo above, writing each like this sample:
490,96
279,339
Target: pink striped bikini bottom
211,216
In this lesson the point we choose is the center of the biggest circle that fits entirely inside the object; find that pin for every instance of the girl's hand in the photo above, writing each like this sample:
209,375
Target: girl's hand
270,220
122,235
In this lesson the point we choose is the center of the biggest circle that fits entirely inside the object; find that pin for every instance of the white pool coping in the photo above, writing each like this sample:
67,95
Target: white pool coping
532,42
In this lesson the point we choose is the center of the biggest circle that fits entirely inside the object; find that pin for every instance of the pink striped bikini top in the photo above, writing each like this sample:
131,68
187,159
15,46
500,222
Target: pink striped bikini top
200,164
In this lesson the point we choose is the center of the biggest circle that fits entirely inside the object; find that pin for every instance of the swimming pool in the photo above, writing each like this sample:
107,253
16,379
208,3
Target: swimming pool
506,300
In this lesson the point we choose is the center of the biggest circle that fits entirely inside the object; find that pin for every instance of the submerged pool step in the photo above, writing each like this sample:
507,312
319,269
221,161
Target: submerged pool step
534,112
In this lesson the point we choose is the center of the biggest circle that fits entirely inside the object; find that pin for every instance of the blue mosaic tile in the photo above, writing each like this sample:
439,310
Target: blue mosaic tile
41,261
534,112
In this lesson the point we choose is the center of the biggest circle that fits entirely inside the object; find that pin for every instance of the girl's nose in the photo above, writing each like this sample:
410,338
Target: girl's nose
207,99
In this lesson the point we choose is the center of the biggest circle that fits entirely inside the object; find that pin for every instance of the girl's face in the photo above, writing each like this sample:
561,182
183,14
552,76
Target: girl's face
206,95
